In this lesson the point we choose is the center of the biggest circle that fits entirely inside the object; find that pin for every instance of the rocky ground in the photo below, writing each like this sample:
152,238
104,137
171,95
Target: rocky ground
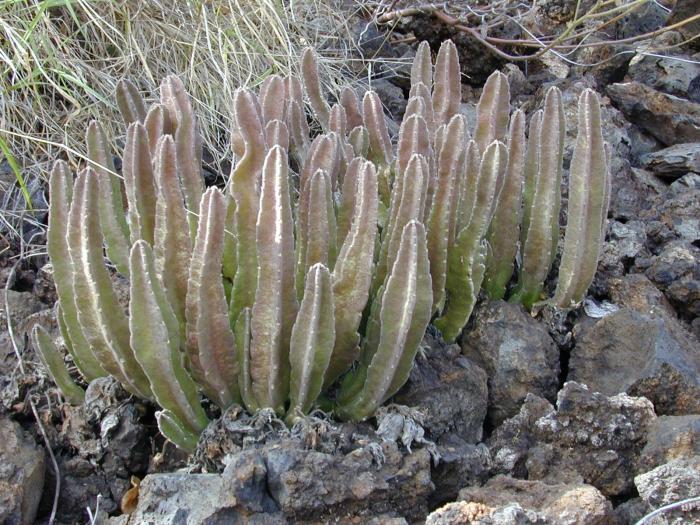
583,417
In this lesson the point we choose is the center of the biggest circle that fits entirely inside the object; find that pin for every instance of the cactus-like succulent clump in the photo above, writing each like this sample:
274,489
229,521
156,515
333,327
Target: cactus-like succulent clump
324,258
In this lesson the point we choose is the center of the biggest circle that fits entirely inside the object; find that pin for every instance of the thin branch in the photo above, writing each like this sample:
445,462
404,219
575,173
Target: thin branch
544,43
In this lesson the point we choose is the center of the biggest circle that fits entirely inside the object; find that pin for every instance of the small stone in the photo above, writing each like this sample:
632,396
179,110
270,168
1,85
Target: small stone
688,182
670,483
22,465
21,306
517,353
461,465
44,287
449,390
674,161
669,438
458,513
620,351
563,504
589,438
670,119
670,74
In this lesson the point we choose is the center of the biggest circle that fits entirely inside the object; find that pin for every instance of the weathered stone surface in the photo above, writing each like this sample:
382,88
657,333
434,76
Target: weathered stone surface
110,444
669,438
625,243
589,437
308,484
673,217
512,441
516,352
674,161
682,10
619,352
461,465
392,98
630,512
686,183
458,513
637,292
449,389
195,499
44,287
672,482
676,270
283,482
670,119
463,513
665,73
560,504
22,467
21,306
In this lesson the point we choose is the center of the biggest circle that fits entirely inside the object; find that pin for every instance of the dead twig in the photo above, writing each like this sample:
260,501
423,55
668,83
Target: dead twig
558,44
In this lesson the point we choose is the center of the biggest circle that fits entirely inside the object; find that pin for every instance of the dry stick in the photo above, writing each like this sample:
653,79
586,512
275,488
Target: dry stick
490,42
11,333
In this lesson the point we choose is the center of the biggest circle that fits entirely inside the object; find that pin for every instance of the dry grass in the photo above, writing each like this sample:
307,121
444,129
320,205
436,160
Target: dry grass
61,60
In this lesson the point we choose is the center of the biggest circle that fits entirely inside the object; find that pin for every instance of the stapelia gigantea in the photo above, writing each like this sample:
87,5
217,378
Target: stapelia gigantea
325,258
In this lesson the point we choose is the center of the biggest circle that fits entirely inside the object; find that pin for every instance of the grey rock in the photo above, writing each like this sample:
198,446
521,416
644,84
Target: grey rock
459,513
516,352
461,465
22,466
694,89
641,142
283,482
44,287
311,485
626,241
589,438
669,74
21,305
471,513
392,98
672,120
689,181
669,483
111,444
196,499
676,271
630,512
623,351
633,189
512,441
674,161
682,10
449,389
646,19
671,437
555,503
672,217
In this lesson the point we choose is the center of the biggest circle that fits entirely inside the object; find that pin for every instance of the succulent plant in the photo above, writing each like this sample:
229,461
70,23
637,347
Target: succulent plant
324,259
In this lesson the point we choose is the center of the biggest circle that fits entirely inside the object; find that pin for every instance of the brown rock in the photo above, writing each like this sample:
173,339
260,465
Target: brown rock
670,119
669,438
644,355
589,438
564,504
